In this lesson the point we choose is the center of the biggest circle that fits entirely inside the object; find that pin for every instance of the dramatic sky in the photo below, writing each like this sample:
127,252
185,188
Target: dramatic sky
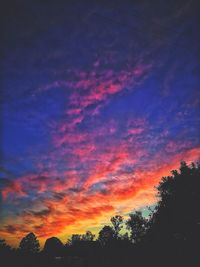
99,100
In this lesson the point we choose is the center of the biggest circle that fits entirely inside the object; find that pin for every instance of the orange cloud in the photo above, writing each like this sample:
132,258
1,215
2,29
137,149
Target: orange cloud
72,202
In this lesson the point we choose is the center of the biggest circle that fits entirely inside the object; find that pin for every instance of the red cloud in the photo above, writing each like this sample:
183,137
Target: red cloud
74,208
92,91
14,187
97,180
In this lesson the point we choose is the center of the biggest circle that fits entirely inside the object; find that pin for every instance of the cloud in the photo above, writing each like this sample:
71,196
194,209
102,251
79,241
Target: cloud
13,187
96,123
64,211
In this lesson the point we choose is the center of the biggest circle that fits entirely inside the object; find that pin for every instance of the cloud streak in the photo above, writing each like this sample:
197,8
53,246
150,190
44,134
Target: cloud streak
97,115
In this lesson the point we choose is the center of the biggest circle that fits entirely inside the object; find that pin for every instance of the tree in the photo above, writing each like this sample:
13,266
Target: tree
175,224
106,235
75,238
117,222
177,215
53,246
137,224
4,248
125,237
3,243
29,244
88,236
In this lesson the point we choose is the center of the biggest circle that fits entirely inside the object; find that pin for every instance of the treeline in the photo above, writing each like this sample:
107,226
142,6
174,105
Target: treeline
169,237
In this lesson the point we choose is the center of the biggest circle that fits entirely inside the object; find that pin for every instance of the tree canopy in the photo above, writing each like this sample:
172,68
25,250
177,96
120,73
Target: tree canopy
172,231
117,222
53,246
29,244
177,215
106,235
137,224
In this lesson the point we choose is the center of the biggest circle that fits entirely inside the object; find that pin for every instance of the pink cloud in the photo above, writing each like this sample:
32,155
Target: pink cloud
135,130
14,187
75,209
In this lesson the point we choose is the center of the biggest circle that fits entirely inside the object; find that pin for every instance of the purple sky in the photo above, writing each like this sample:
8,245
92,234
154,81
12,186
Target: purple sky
99,100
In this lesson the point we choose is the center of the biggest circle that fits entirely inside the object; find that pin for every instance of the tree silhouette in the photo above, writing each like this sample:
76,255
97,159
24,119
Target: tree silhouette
3,244
29,244
106,235
175,224
172,231
117,222
75,238
137,224
4,248
7,254
53,246
88,236
177,214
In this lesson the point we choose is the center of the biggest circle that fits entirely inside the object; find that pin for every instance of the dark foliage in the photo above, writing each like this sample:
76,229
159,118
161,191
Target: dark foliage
53,247
168,238
137,224
106,235
88,236
29,244
117,222
174,226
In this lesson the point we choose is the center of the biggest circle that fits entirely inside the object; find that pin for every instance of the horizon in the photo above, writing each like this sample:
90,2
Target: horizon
99,102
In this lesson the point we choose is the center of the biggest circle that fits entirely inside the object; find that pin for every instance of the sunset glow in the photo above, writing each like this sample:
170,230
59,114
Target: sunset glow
99,103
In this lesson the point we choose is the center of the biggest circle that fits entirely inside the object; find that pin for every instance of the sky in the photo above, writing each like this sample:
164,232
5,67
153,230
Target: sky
99,101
